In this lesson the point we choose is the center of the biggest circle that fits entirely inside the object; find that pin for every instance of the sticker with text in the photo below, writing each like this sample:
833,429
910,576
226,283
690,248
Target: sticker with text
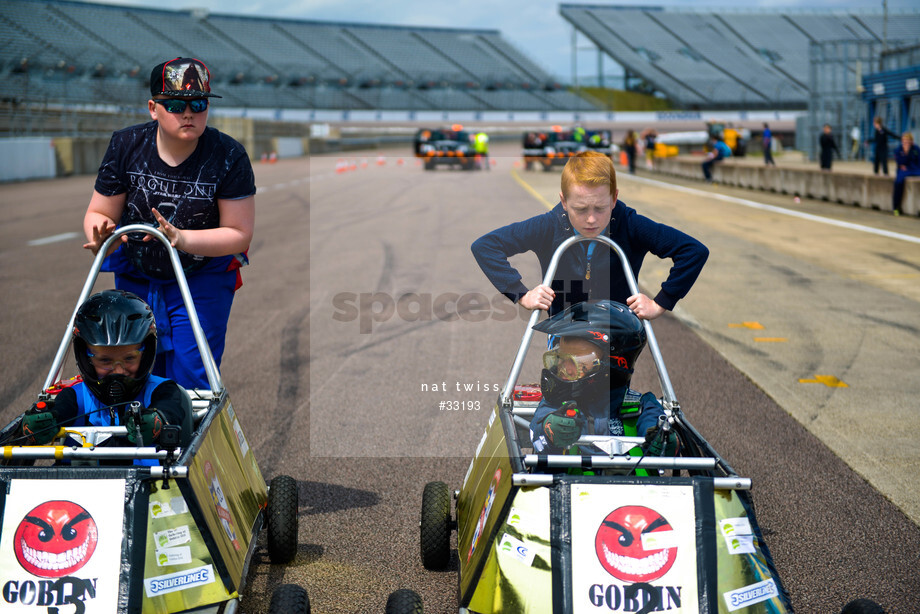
749,595
174,556
738,535
172,537
517,549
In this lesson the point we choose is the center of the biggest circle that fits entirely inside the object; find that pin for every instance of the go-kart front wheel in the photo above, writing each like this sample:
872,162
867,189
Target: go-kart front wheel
289,599
435,526
404,601
282,519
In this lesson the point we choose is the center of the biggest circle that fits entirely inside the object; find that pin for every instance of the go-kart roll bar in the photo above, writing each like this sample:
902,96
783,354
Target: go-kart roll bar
669,400
206,357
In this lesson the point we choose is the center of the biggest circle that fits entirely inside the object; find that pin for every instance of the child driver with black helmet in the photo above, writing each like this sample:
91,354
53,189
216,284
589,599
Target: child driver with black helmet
114,343
585,379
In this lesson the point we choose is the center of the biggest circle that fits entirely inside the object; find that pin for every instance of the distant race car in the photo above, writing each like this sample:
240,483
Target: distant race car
550,149
446,146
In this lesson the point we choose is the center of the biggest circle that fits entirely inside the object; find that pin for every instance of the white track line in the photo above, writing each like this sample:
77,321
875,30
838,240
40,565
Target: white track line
774,209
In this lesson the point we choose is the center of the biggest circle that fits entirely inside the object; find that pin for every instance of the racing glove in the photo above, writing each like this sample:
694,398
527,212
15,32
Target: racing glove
151,423
655,443
563,427
39,424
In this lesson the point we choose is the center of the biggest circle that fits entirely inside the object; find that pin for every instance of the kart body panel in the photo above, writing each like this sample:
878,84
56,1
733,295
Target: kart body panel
192,540
541,548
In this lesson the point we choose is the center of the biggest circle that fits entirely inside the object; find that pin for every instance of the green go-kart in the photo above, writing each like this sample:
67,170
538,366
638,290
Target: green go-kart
618,531
85,529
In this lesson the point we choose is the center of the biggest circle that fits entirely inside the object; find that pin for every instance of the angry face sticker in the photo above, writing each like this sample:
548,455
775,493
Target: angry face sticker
634,544
55,539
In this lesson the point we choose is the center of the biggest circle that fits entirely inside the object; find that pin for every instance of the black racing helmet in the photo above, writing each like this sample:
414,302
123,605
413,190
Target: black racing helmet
114,318
619,337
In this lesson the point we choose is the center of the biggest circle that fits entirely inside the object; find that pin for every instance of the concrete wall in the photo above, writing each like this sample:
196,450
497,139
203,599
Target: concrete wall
26,158
859,189
59,156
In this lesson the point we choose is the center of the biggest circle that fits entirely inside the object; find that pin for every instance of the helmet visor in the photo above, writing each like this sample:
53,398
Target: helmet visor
571,367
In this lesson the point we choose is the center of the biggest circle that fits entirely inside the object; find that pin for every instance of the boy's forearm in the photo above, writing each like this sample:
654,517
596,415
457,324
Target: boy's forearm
214,242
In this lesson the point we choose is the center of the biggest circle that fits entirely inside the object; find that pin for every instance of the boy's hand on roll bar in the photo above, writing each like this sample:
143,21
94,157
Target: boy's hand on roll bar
100,234
644,307
172,233
540,297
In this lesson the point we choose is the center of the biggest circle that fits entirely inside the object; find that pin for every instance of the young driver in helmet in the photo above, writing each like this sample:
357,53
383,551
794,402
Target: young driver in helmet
114,343
585,379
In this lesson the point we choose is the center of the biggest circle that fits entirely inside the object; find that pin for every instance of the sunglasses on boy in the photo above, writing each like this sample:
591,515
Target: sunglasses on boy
177,105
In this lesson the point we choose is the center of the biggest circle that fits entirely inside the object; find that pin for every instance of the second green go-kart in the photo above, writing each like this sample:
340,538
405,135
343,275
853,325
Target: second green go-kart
620,531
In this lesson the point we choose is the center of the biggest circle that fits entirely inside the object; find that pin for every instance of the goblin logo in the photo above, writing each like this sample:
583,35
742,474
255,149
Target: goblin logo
619,544
620,361
55,539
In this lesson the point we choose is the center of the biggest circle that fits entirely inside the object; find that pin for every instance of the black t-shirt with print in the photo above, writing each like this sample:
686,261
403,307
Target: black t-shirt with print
186,195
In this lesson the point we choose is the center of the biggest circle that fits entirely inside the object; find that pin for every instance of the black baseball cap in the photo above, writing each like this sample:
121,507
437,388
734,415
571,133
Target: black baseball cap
181,77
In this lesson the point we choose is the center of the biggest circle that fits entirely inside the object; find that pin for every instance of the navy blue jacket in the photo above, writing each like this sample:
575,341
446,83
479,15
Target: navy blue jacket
909,158
636,235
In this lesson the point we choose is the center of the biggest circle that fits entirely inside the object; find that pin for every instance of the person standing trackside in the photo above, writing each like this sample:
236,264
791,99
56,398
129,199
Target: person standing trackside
589,207
768,146
630,144
882,134
651,138
828,146
194,184
481,147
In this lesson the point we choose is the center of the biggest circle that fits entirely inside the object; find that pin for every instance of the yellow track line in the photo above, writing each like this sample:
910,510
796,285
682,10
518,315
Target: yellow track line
533,192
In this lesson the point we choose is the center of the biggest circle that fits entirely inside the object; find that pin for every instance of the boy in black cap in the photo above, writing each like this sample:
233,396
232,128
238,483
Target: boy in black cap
196,185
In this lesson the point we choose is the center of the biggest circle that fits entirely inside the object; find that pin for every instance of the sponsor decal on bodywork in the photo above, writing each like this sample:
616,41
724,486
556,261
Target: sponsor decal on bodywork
486,508
62,553
749,595
638,554
160,585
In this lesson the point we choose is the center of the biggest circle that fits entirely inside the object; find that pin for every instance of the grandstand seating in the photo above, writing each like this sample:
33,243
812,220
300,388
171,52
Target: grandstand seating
60,51
67,51
747,59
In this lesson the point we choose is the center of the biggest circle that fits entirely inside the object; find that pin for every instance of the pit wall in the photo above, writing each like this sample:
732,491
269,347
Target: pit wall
859,189
45,157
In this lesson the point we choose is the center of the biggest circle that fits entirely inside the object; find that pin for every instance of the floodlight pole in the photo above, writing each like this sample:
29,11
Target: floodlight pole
884,27
575,58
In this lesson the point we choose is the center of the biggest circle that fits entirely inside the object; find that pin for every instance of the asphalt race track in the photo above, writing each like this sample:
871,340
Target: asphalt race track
366,350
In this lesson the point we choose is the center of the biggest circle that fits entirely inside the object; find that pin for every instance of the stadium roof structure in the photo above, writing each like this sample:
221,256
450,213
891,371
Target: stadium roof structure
721,58
81,52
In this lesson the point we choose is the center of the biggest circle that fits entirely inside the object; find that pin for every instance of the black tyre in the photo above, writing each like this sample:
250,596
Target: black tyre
289,599
404,601
435,526
429,166
282,519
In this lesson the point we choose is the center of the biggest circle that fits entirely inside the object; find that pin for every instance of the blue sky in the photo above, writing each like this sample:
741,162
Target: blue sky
533,26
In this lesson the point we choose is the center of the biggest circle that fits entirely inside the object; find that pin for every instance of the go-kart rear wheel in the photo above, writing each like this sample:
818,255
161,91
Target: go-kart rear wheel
289,599
282,519
404,601
435,526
